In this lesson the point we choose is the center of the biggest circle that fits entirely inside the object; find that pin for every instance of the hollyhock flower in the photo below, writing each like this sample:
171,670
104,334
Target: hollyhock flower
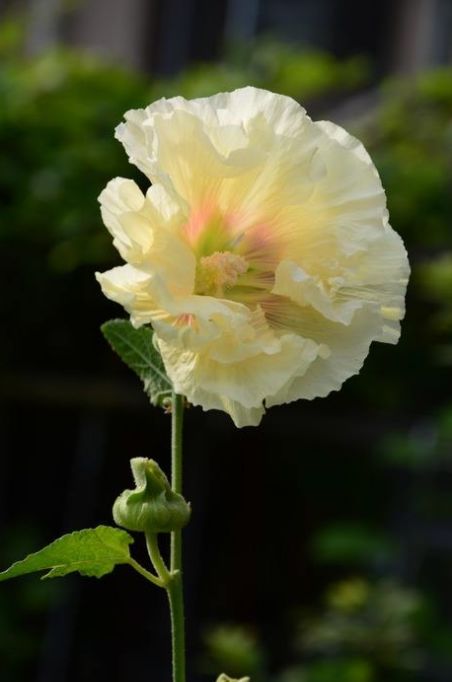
261,253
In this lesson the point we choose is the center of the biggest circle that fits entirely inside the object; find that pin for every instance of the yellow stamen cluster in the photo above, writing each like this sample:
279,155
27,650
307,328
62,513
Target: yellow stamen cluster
218,272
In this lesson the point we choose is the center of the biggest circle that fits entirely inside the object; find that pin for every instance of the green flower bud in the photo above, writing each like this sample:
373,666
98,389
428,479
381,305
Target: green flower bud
225,678
152,507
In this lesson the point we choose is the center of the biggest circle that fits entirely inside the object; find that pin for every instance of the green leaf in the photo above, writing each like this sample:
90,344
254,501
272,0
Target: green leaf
136,348
92,552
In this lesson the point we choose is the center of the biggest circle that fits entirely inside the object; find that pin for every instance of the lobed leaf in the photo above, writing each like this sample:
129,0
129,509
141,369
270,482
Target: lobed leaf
91,552
136,348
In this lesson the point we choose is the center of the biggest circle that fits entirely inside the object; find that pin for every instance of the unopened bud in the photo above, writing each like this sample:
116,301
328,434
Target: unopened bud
152,507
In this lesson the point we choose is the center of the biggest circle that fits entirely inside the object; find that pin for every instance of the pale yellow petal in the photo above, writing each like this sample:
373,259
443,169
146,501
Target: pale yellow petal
133,136
122,204
379,280
147,232
129,287
206,145
346,140
240,415
347,347
295,283
247,382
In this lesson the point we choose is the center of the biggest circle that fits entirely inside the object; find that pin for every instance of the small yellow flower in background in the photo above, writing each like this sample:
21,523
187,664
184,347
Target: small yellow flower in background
261,254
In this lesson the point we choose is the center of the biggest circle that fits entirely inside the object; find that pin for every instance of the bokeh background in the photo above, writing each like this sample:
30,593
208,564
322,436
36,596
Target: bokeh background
320,547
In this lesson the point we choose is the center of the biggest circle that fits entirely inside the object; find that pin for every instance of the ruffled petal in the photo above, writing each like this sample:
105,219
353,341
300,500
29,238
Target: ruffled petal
134,138
122,204
346,348
209,144
297,285
147,232
246,382
129,287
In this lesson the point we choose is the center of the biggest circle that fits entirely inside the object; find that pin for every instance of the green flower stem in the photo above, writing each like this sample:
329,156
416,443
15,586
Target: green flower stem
175,586
146,574
156,558
171,579
176,473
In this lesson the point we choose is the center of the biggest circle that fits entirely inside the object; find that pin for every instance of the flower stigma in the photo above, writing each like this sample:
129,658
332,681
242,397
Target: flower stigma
218,272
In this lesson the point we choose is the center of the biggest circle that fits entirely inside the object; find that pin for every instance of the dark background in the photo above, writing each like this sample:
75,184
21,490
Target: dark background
320,546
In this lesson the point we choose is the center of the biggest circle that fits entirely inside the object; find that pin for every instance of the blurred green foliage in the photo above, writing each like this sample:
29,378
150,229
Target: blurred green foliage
426,447
56,121
364,632
435,278
273,65
376,622
409,136
234,648
410,140
353,544
348,670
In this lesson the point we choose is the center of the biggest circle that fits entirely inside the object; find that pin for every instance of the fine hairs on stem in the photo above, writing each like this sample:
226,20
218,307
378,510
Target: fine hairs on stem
175,587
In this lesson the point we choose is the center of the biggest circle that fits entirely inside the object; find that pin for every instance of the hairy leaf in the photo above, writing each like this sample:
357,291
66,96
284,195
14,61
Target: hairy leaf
92,552
136,348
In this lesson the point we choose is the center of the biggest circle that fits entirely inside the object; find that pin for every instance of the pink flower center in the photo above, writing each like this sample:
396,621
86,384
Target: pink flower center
236,254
